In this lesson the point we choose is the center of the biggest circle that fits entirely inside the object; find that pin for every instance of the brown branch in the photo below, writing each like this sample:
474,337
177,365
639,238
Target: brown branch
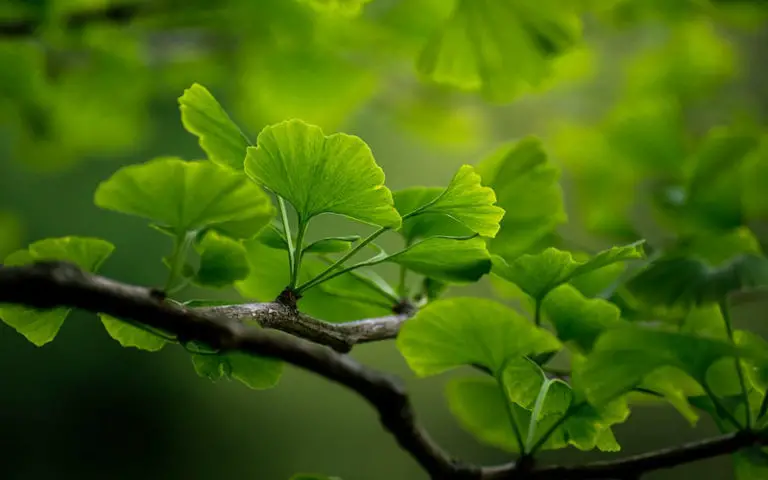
55,284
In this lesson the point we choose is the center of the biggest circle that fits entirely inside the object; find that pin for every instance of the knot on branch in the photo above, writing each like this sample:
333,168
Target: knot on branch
289,298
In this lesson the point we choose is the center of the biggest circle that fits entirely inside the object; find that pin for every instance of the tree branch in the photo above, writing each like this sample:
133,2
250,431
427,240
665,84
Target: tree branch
55,284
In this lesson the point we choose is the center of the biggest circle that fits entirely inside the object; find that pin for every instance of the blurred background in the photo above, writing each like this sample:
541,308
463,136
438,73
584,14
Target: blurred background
623,93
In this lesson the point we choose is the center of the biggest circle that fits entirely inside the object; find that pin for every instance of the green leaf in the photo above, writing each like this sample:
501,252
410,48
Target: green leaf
220,138
623,357
453,332
131,336
499,47
332,244
449,260
578,319
527,187
347,8
187,196
429,224
466,201
687,282
321,174
538,274
223,261
255,372
41,326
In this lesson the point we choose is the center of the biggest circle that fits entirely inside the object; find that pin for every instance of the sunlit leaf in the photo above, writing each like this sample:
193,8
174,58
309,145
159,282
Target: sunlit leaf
131,336
332,244
321,174
223,261
527,188
449,333
41,326
499,47
429,224
464,200
538,274
446,259
187,196
255,372
219,137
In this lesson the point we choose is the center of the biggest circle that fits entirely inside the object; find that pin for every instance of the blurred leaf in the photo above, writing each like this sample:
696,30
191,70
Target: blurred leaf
538,274
451,260
688,282
499,47
527,188
675,387
255,372
131,336
220,138
449,333
187,196
622,358
11,231
319,174
579,319
464,200
343,7
312,476
223,261
41,326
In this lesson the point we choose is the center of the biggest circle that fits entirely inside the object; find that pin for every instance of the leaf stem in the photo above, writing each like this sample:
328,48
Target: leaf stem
537,313
298,252
739,369
327,274
180,246
288,238
720,408
508,407
560,421
537,411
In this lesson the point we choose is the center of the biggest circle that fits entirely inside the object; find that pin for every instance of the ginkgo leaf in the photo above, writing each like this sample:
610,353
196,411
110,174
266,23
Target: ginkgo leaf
342,7
130,335
538,274
623,357
187,196
446,259
255,372
449,333
219,137
499,47
223,261
689,282
429,224
332,244
321,174
466,201
578,319
41,326
527,188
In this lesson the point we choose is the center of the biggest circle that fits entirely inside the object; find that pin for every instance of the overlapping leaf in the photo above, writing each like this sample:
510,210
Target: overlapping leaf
219,137
427,224
453,332
255,372
223,261
41,326
538,274
187,196
446,259
321,174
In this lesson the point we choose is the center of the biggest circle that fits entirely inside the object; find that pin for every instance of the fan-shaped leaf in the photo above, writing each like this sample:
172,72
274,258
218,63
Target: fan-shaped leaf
449,260
41,326
131,336
187,196
464,331
223,261
321,174
429,224
255,372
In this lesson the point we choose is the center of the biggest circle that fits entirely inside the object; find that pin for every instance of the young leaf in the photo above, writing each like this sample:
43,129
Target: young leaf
321,174
527,187
41,326
467,201
220,138
623,357
187,196
449,260
464,331
332,244
499,47
429,224
538,274
579,319
223,261
255,372
131,336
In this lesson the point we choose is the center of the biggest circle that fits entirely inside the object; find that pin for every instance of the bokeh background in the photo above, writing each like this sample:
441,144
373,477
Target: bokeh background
622,93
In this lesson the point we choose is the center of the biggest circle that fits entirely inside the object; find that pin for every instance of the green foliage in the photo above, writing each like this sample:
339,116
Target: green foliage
130,335
40,327
255,372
